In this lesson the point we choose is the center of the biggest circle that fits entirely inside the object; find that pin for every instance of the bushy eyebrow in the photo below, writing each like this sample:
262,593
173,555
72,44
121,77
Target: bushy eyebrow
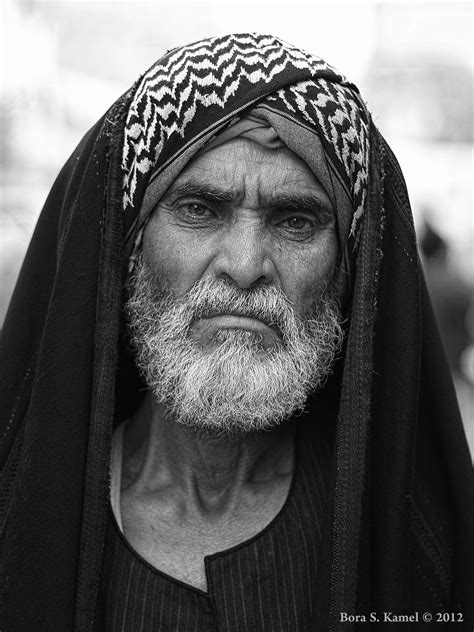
279,202
300,203
205,191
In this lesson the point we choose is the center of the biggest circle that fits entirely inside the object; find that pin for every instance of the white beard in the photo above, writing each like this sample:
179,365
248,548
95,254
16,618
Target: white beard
236,385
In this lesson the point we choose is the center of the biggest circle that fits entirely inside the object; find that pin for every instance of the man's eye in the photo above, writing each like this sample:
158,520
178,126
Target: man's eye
194,211
297,223
298,227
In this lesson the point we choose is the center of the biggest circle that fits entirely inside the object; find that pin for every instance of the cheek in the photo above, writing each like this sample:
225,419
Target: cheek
171,257
307,273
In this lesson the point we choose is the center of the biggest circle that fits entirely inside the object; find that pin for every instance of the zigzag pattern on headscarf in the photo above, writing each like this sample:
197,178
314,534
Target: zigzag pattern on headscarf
211,73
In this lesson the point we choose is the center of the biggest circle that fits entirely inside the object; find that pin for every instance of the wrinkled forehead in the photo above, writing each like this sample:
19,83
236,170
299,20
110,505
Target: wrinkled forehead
239,171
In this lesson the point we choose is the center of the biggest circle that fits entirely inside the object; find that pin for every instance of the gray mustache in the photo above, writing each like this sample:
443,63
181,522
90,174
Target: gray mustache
269,306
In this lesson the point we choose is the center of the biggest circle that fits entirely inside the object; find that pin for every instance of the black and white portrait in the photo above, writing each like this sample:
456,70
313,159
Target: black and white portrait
237,378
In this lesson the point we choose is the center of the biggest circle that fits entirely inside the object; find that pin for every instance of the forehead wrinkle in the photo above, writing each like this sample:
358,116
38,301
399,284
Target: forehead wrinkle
221,176
295,178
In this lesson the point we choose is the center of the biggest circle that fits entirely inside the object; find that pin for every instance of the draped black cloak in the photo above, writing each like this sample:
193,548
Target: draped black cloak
399,530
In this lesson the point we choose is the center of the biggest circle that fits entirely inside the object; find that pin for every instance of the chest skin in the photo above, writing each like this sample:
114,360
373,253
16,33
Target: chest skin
175,537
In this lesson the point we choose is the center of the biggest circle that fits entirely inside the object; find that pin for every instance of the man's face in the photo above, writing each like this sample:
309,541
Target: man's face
231,309
249,215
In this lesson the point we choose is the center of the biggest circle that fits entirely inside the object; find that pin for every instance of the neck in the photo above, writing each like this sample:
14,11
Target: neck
211,468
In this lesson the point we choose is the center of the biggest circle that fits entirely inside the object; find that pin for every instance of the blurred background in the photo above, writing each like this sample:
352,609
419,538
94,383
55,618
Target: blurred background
63,63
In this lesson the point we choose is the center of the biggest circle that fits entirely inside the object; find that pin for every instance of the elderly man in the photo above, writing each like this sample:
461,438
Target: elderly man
224,403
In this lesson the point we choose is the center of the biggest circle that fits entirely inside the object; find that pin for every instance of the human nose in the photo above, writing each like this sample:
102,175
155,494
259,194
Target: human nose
244,256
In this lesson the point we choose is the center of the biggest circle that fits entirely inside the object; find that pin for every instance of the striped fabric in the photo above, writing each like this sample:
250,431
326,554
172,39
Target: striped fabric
263,584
